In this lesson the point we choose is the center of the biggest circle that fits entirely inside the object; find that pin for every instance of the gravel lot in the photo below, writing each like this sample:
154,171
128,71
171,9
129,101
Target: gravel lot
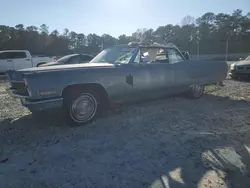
175,142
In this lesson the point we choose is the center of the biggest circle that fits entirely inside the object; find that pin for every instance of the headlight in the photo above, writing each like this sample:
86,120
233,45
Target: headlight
232,66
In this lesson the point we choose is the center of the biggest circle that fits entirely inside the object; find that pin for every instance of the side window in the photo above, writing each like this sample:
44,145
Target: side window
174,56
74,60
15,55
162,56
153,55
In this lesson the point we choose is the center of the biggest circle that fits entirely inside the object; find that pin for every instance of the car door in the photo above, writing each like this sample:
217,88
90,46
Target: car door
151,79
5,64
181,67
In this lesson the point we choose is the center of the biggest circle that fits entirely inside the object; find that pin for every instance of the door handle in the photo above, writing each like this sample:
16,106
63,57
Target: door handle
130,80
9,60
27,59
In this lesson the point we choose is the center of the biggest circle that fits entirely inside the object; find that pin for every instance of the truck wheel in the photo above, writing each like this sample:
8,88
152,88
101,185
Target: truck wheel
82,107
196,91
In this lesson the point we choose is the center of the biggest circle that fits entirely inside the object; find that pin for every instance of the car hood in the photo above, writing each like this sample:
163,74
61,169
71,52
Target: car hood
66,67
243,62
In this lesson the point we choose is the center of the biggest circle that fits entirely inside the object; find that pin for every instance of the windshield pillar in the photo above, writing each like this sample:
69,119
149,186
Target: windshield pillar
134,54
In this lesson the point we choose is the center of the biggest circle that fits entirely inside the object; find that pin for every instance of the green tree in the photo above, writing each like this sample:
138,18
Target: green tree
123,39
19,27
211,33
108,40
55,33
44,29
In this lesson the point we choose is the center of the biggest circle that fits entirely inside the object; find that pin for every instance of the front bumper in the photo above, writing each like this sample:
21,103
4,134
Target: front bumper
38,104
42,104
236,74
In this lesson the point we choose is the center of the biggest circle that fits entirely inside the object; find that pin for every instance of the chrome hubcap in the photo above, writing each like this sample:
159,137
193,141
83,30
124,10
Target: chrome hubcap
83,108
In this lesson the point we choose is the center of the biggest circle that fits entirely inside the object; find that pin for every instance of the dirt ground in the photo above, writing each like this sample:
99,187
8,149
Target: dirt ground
169,143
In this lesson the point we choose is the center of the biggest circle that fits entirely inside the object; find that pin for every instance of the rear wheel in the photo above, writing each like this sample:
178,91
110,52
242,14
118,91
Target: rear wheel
196,91
82,107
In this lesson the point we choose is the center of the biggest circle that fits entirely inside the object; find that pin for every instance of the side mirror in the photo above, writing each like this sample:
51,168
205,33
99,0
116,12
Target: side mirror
186,55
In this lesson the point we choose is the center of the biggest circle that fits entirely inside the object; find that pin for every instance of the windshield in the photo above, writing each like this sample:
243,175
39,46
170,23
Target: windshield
64,59
248,58
115,55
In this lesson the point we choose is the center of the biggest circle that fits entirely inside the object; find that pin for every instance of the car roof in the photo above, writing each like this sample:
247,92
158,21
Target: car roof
154,45
157,45
71,55
87,55
13,51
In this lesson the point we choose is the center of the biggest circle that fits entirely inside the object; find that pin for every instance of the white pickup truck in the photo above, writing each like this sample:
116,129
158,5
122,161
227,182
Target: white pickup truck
20,59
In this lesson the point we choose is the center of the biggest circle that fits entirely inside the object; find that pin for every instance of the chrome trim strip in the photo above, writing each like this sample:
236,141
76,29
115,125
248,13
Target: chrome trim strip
43,101
13,81
20,96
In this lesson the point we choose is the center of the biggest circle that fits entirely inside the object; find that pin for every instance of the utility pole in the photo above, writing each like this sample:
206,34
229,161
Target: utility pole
198,43
229,34
198,50
227,48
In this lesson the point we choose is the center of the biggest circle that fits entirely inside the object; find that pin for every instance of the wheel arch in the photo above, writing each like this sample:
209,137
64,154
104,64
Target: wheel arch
101,91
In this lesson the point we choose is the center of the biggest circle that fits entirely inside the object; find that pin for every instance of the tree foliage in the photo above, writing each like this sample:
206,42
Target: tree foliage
210,30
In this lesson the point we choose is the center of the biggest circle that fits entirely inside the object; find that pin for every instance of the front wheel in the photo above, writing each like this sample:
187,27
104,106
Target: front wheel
82,107
196,91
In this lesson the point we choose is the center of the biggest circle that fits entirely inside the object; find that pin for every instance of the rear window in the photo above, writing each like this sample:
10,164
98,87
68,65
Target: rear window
12,55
